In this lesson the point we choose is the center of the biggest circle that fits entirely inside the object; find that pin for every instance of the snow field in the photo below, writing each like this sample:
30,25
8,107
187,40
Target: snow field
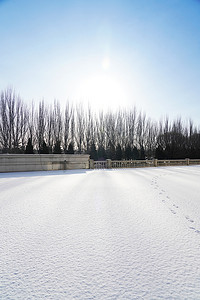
100,234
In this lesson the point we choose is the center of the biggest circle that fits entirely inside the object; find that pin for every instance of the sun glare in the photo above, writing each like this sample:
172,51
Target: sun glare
102,91
106,63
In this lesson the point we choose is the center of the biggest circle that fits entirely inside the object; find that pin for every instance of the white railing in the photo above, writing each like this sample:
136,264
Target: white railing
100,164
131,163
172,162
194,162
115,164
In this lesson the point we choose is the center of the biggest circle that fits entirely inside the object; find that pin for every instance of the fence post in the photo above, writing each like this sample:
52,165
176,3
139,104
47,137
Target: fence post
187,161
155,162
65,165
91,164
108,164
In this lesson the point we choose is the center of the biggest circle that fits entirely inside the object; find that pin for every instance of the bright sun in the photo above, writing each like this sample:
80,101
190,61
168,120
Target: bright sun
106,63
103,89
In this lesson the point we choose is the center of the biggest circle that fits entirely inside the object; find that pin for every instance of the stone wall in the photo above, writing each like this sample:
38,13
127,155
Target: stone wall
42,162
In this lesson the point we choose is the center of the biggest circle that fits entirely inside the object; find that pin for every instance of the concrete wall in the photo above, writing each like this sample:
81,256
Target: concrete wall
42,162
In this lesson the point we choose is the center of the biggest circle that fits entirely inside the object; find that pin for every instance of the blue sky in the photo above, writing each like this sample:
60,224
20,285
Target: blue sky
143,53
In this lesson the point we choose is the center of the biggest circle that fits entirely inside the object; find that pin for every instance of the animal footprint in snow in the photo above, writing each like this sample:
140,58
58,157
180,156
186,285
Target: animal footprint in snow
192,228
189,220
174,205
196,230
173,211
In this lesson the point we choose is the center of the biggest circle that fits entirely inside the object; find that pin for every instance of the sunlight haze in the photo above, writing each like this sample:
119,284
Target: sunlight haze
108,53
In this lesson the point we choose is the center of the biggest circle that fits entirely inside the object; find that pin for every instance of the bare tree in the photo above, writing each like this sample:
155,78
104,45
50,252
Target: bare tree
68,126
41,124
57,122
4,125
50,129
13,121
80,127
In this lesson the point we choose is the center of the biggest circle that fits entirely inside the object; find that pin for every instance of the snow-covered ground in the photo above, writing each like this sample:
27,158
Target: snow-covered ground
100,234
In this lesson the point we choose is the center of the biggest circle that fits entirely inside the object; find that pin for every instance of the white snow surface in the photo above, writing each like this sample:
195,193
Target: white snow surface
100,234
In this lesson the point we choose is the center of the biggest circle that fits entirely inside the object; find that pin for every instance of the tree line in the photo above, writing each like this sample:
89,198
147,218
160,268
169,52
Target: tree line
123,134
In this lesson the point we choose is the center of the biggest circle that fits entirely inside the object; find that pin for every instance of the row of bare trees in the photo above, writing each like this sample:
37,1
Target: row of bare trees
125,134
